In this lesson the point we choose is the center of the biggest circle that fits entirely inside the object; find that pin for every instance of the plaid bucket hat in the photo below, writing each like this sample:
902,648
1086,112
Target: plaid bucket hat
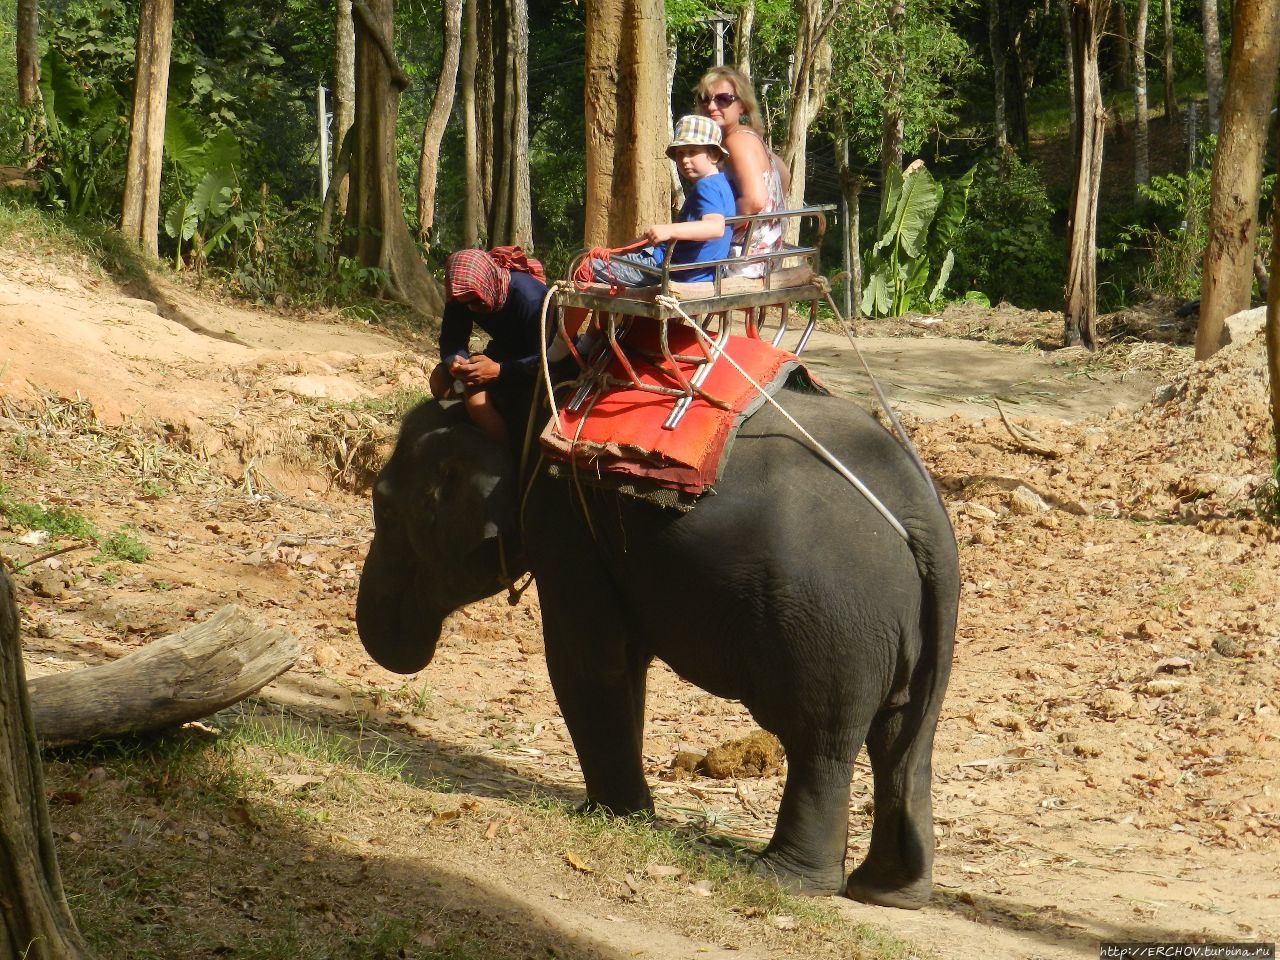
693,130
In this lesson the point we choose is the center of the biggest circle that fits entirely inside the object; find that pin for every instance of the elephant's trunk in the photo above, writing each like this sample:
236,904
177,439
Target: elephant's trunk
396,630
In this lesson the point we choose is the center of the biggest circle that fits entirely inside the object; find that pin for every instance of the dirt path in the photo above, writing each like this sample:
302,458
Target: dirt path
1108,759
934,377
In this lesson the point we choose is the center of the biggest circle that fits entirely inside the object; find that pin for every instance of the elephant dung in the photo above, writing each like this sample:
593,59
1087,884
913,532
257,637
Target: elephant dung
759,754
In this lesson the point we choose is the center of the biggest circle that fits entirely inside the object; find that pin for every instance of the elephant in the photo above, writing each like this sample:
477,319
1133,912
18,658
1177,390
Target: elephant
785,590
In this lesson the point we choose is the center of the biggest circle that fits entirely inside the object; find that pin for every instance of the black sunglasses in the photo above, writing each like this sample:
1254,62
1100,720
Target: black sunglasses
722,100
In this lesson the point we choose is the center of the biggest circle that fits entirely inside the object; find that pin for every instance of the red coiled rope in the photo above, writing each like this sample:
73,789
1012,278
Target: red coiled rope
585,274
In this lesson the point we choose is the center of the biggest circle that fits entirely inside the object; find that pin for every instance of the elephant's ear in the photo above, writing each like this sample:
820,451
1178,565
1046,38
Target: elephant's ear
467,507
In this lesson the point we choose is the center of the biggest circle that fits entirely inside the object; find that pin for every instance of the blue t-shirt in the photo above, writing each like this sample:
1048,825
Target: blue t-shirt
709,195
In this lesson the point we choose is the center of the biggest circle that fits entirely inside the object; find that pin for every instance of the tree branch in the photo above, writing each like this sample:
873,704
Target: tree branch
370,23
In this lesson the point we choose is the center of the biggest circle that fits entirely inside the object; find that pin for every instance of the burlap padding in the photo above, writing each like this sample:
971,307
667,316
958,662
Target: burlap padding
781,279
621,435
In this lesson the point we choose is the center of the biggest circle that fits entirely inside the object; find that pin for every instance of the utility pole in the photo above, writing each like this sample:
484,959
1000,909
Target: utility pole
322,125
720,23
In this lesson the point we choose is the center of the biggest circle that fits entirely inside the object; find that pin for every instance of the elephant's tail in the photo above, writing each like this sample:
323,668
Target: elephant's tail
938,563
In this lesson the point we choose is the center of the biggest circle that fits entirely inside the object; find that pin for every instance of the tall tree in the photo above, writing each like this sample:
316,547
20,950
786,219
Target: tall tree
1141,140
625,112
1273,314
891,126
809,79
742,37
1170,96
1124,47
35,921
473,212
27,48
996,40
1212,61
378,235
344,90
510,216
1088,18
1227,279
140,220
438,117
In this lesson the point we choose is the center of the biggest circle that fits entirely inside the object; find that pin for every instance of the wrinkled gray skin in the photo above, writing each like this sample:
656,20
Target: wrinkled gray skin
785,590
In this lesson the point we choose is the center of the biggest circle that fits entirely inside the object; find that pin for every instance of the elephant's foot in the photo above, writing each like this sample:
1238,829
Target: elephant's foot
865,888
641,811
798,878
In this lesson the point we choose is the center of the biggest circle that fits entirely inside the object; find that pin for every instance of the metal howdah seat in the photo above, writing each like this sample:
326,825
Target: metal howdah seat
789,276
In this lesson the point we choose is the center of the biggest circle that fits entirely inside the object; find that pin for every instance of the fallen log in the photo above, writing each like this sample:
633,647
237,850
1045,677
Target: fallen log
173,680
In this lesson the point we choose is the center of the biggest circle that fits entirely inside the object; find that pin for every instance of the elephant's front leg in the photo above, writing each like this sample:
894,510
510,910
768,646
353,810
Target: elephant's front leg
599,682
806,854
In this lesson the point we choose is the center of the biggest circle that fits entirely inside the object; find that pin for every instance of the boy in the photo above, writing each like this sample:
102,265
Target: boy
699,230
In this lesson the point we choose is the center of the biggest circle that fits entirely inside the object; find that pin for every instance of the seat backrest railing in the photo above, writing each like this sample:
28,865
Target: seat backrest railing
772,259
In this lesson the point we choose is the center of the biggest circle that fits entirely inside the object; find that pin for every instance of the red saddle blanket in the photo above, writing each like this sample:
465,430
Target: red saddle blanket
621,436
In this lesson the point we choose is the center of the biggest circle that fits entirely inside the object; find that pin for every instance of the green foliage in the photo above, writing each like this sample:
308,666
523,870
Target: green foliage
914,70
1173,235
124,545
918,222
1267,496
84,140
55,521
207,209
1006,248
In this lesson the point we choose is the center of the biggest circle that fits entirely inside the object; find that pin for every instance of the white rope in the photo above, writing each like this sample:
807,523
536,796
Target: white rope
544,348
826,454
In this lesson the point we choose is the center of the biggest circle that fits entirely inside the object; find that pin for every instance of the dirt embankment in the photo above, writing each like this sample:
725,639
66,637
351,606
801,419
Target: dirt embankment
1108,759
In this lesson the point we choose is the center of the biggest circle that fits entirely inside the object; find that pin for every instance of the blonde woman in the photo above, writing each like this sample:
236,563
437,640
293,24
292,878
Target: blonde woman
757,176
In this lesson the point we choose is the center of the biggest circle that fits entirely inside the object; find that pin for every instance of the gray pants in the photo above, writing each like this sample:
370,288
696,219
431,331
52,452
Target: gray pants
623,273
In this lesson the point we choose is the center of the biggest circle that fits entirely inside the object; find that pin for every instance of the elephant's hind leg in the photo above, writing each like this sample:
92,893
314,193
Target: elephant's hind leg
898,869
806,854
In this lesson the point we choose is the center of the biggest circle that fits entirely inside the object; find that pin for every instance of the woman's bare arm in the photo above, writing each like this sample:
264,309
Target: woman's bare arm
748,160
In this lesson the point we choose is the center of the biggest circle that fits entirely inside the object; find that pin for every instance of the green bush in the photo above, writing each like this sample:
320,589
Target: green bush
1006,248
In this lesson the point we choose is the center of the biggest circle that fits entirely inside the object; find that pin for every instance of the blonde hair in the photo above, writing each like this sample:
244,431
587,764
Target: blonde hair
741,87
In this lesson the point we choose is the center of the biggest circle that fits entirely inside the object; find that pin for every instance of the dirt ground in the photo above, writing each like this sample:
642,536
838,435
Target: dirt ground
1108,761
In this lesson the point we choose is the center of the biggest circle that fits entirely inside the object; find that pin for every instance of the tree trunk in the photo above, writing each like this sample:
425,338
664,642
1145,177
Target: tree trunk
486,95
742,37
27,47
673,59
851,184
378,235
510,219
473,214
625,114
810,77
1088,18
1171,112
1227,279
1212,61
995,39
1273,314
891,119
1018,85
35,921
1124,51
1141,140
140,220
1065,7
344,89
171,681
438,118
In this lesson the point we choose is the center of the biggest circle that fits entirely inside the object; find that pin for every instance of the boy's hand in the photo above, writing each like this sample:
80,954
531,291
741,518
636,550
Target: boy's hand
659,233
